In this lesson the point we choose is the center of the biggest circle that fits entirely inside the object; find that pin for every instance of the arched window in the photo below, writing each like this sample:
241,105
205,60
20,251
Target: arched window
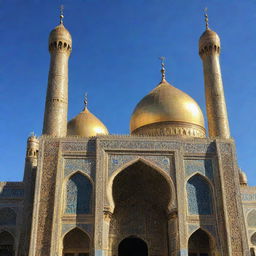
76,243
7,217
78,195
199,196
199,244
251,219
6,244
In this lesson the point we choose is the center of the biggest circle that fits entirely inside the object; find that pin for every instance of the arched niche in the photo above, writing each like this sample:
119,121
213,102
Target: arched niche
199,196
6,244
78,194
76,243
200,244
132,246
141,196
7,217
251,219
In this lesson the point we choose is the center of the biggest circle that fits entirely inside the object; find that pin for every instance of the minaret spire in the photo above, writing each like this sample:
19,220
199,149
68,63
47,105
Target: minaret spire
206,18
56,105
163,68
85,100
61,13
209,51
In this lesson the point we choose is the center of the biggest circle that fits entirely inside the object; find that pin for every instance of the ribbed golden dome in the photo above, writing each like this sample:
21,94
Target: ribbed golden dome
166,111
86,124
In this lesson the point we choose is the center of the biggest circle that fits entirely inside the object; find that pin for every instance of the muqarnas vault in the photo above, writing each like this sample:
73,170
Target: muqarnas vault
166,189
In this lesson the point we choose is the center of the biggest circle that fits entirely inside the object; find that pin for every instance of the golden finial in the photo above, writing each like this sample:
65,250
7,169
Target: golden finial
206,18
85,100
61,13
163,68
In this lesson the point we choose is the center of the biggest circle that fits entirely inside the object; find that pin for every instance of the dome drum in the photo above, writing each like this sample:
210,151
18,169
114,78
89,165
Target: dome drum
171,128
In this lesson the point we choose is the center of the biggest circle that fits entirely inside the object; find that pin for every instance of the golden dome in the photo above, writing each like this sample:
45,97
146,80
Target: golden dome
86,124
166,111
242,178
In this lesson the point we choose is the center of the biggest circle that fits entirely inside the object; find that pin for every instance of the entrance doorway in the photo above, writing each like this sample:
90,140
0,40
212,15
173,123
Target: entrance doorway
132,246
199,244
76,243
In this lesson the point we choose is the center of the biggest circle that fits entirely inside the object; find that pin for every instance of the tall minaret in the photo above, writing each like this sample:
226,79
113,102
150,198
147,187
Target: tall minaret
209,51
56,105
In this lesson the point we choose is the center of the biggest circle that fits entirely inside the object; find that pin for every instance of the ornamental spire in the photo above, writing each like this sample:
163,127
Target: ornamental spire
206,18
85,100
163,68
61,13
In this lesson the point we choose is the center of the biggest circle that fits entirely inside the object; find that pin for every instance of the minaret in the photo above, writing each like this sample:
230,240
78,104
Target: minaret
209,51
56,105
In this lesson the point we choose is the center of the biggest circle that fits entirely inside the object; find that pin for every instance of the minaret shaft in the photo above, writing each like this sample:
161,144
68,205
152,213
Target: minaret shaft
215,100
56,107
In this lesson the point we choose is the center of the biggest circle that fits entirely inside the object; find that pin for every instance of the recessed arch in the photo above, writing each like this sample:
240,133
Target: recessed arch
109,192
200,243
79,194
7,216
141,196
132,246
6,244
199,195
251,219
76,241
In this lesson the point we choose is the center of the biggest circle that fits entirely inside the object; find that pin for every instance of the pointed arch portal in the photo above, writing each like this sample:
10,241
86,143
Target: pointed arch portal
132,246
76,243
199,244
141,196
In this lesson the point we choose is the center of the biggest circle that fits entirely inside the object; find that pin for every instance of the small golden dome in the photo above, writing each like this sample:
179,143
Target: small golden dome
166,111
85,124
60,33
242,178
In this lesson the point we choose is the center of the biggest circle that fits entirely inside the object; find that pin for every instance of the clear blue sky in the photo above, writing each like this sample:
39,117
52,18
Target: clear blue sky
116,45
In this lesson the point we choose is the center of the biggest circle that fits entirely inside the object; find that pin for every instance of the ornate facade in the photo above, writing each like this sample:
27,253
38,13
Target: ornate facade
168,188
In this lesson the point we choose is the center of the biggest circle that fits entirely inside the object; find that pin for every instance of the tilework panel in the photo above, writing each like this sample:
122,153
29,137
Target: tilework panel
7,217
117,161
199,148
204,166
87,165
86,227
71,146
78,195
199,196
251,219
11,192
248,197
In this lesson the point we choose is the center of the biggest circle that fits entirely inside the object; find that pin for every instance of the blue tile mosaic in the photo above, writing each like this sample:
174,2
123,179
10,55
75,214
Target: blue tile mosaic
78,195
204,166
199,196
